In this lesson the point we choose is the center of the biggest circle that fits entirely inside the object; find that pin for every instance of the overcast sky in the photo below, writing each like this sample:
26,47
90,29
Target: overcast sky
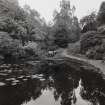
46,7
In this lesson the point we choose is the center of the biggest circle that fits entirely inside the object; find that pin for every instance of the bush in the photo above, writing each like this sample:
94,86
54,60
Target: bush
61,38
101,14
90,53
89,39
101,29
30,49
93,44
74,48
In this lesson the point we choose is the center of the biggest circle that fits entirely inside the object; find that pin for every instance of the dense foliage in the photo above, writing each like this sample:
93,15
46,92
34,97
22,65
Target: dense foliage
88,23
18,26
101,14
93,38
25,35
66,26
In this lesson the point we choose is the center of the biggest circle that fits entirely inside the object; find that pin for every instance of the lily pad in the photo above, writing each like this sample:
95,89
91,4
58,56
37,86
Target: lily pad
21,77
16,81
10,79
2,84
25,79
14,84
3,74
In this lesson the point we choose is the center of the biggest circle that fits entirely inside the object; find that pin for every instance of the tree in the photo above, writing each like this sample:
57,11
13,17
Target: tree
89,40
61,38
65,20
65,16
93,45
34,24
18,27
9,48
88,23
20,23
101,14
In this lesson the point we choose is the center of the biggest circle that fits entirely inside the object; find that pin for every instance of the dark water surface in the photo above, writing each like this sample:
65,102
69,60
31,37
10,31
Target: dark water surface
62,83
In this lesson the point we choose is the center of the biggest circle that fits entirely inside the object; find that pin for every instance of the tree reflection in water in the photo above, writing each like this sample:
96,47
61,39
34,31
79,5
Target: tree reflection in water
16,95
65,79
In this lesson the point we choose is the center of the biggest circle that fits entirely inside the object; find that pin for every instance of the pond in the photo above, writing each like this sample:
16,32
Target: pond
51,83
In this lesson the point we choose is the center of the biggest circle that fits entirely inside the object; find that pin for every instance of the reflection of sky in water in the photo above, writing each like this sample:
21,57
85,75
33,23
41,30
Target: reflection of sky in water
46,98
80,100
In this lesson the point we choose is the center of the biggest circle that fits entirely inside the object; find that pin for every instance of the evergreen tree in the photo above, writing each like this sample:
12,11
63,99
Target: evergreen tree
65,20
101,14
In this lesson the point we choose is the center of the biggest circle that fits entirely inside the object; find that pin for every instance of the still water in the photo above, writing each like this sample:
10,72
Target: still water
52,84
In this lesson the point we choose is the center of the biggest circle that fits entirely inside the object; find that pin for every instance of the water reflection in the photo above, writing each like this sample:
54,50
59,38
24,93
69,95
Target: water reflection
58,84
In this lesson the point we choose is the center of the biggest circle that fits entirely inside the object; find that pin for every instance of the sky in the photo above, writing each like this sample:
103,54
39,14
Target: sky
46,7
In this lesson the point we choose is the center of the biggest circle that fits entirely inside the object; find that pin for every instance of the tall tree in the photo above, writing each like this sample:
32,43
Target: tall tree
88,23
66,20
101,14
20,23
65,16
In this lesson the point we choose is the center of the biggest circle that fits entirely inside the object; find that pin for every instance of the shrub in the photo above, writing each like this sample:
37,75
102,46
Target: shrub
101,29
30,49
74,48
89,39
